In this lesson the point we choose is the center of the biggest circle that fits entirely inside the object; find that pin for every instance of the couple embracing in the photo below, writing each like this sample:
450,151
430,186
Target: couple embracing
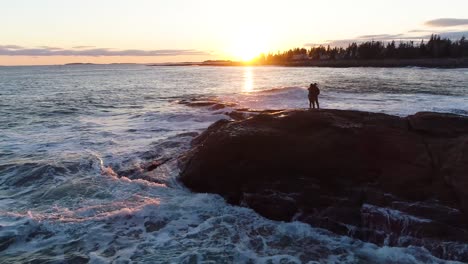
314,92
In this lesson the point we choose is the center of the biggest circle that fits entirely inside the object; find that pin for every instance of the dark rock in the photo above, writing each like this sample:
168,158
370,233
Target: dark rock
201,103
213,103
237,115
156,163
152,226
376,177
6,241
109,252
217,106
273,205
77,259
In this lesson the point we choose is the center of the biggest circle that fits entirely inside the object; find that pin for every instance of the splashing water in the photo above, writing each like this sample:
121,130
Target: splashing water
76,143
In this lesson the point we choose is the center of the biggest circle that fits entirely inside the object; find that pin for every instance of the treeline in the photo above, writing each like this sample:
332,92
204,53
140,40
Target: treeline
435,47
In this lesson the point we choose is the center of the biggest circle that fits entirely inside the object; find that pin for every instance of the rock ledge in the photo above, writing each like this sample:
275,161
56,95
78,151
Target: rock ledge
380,178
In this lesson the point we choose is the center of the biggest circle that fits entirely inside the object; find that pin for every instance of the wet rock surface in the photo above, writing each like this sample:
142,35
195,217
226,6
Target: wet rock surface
385,179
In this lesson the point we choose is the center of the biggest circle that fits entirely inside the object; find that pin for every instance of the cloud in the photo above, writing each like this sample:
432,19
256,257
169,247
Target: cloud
421,31
83,47
392,37
412,35
447,22
14,50
452,35
49,48
333,43
312,44
10,47
381,36
364,38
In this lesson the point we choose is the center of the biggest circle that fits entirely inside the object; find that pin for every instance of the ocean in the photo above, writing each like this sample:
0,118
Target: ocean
74,142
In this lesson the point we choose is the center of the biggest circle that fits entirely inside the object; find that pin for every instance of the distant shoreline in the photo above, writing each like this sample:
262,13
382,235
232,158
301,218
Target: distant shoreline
447,63
386,63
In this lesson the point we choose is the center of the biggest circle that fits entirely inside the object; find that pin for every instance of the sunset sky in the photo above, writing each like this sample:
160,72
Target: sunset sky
144,31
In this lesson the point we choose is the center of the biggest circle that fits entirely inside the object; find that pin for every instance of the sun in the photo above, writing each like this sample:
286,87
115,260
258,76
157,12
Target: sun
247,51
248,45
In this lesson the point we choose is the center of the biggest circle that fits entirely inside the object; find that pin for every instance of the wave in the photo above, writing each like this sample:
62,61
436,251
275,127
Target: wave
108,202
279,90
186,227
35,173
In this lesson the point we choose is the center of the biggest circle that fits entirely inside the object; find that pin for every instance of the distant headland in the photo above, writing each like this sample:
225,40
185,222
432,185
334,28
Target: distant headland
89,63
204,63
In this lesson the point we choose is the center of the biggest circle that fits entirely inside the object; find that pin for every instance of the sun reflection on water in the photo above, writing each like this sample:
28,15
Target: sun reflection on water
248,80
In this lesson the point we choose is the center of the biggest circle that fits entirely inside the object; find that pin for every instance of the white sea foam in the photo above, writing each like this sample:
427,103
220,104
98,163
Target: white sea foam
75,144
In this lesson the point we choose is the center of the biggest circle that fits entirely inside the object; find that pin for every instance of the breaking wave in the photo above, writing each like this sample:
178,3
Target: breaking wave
88,161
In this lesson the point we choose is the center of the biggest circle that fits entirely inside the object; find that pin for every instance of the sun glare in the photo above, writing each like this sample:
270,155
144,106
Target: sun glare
248,45
247,51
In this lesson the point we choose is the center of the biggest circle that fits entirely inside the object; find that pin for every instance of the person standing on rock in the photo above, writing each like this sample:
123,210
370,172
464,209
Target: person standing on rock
314,92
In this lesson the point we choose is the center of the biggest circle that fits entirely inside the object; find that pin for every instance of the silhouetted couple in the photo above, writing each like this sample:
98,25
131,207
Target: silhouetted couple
314,92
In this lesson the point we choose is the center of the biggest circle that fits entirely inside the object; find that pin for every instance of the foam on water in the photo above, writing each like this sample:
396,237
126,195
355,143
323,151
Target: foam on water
76,143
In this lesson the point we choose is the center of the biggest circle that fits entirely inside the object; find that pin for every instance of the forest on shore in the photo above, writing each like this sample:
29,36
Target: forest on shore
434,48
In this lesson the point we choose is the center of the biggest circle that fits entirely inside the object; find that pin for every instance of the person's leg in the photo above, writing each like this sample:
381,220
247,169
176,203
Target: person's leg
313,103
310,104
318,106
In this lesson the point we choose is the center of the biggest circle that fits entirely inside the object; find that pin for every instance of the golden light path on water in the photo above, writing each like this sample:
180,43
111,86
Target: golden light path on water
248,80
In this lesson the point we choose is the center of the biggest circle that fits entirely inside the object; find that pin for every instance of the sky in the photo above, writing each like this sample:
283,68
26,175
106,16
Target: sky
40,32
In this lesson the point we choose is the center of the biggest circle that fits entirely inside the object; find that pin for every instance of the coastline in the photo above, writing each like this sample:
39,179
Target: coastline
386,63
447,63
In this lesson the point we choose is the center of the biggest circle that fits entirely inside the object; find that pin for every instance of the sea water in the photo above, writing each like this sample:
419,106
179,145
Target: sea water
75,141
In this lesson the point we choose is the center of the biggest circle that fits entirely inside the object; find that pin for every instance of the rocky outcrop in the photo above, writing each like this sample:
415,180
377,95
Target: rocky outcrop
380,178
